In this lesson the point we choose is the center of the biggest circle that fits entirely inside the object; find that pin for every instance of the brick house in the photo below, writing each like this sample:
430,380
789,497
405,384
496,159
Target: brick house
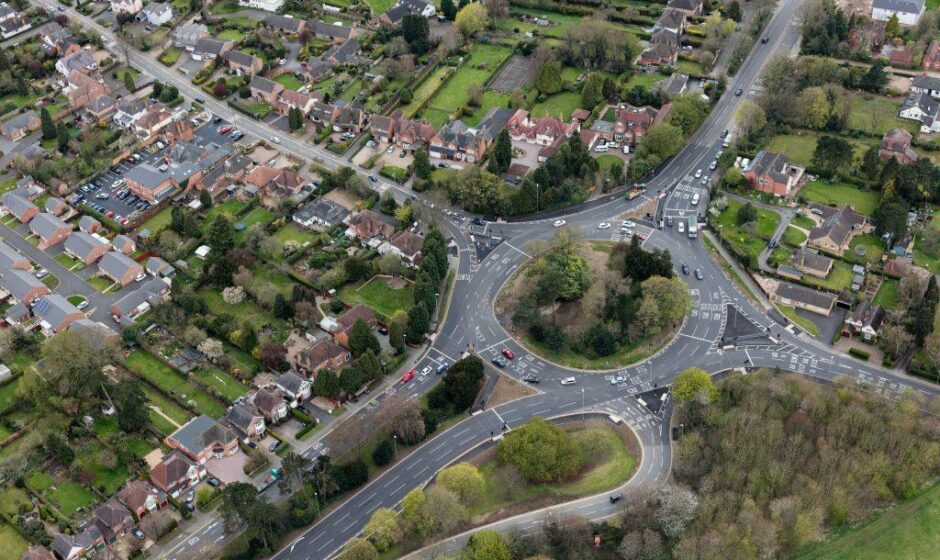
85,247
271,404
141,498
458,141
295,387
406,246
366,224
348,319
202,438
150,184
323,354
897,144
772,173
49,229
265,90
243,63
11,259
245,421
176,473
20,125
82,89
120,268
56,313
113,519
19,207
22,285
837,230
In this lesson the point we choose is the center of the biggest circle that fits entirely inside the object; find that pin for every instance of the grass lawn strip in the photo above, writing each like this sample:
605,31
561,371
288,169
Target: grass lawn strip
559,106
288,80
426,89
376,294
887,294
222,382
12,542
161,375
839,193
801,321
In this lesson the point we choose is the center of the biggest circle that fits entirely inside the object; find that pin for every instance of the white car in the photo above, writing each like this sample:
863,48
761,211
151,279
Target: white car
617,380
141,276
82,305
426,370
698,173
569,381
559,223
627,224
276,139
603,225
390,150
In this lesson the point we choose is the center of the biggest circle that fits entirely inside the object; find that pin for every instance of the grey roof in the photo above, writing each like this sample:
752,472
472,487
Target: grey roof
85,223
116,264
811,261
807,296
16,313
155,265
200,432
334,31
80,243
52,203
6,11
53,309
673,85
208,45
240,417
926,82
146,175
344,53
927,104
283,23
263,84
16,204
240,58
290,382
63,544
98,330
146,293
45,225
189,33
157,8
9,256
120,241
19,283
22,120
323,210
899,6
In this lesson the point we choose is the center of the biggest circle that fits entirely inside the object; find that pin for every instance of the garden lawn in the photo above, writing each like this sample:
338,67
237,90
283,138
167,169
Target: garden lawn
887,294
12,542
169,408
481,63
874,249
922,258
68,262
245,311
839,279
644,79
230,35
230,208
747,239
905,532
291,233
490,100
559,106
106,426
802,221
396,174
10,498
101,283
159,221
379,7
153,370
799,148
877,116
170,56
803,322
839,193
793,237
289,81
282,282
606,161
222,382
258,216
8,394
68,496
111,479
426,89
376,294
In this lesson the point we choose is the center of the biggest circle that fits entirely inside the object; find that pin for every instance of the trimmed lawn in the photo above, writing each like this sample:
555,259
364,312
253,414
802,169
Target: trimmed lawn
246,311
258,110
376,294
750,238
169,408
874,249
159,221
12,542
905,532
644,79
490,100
222,382
396,174
803,222
161,375
480,64
794,237
258,216
170,56
76,299
8,393
426,89
559,106
68,262
803,322
101,283
106,426
606,161
877,116
839,279
68,496
230,208
290,233
230,35
800,147
380,6
108,478
288,80
839,193
887,294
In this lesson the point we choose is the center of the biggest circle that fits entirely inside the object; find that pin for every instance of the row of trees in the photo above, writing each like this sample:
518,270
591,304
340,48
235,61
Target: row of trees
431,276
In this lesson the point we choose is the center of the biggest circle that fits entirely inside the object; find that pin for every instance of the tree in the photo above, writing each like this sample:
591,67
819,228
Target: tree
408,426
205,198
383,529
129,81
592,92
662,141
733,11
449,9
361,339
294,468
688,112
131,402
746,213
421,165
542,452
751,119
326,384
58,448
356,268
893,27
501,153
464,480
831,154
46,124
548,79
694,383
295,119
273,355
221,236
460,386
242,508
412,506
383,453
875,79
675,509
442,511
396,330
419,322
415,30
642,545
472,18
71,376
62,136
359,549
486,545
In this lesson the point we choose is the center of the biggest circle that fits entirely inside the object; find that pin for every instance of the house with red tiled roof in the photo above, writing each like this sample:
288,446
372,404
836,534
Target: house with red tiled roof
141,498
323,354
897,144
772,173
548,132
176,473
82,89
366,224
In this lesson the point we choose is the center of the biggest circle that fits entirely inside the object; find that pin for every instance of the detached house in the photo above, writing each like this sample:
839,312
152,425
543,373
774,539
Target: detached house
82,89
187,35
245,421
156,13
56,313
335,32
208,48
86,247
548,132
284,24
113,519
837,230
366,224
11,259
73,547
402,8
865,321
458,141
290,99
344,54
79,61
20,125
265,90
271,404
202,438
49,229
772,173
126,6
141,498
266,5
295,387
323,354
897,144
802,297
55,206
274,185
811,263
690,7
19,207
320,213
150,293
243,63
120,268
176,473
88,224
406,246
907,11
922,108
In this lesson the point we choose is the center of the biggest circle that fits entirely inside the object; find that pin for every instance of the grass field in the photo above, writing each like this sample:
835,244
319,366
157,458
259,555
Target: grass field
426,89
803,322
159,221
874,248
170,56
222,382
230,208
10,499
246,311
876,116
291,233
380,6
161,375
8,394
258,216
800,147
749,238
887,294
906,532
794,237
68,496
804,222
482,61
289,81
12,542
606,161
645,79
376,294
559,106
839,193
169,408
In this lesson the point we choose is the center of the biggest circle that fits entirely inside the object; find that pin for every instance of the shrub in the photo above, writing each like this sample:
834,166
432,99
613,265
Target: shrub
383,453
860,354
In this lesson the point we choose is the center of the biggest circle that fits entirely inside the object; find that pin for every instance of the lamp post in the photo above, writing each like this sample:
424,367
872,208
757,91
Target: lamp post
582,405
395,447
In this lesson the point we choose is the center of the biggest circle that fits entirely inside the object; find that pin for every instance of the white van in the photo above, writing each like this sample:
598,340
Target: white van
600,148
681,226
695,199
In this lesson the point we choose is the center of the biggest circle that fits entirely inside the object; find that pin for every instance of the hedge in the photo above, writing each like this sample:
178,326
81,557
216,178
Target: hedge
860,354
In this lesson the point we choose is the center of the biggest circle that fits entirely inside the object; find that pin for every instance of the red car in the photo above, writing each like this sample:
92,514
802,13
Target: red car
508,353
408,376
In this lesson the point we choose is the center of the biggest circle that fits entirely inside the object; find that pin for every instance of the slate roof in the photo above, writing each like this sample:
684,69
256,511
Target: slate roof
146,293
238,417
240,58
345,53
16,204
99,332
263,84
201,432
926,82
63,544
116,264
899,6
86,223
80,243
53,309
113,513
290,382
837,224
45,225
19,283
330,30
208,45
807,296
324,210
807,260
283,23
408,243
923,100
9,256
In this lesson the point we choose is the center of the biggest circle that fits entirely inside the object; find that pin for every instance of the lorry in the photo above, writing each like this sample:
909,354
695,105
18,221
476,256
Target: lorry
270,480
693,227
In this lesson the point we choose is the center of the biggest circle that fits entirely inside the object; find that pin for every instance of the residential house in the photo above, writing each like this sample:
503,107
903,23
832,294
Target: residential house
152,122
402,8
242,63
222,177
802,297
772,173
126,6
838,228
660,53
345,322
113,519
101,335
202,438
926,84
22,286
383,128
316,69
86,247
6,12
49,229
19,126
178,131
865,321
37,552
903,246
129,111
124,244
284,24
673,86
73,547
141,498
88,224
187,35
811,263
343,54
690,7
632,123
11,259
29,188
265,90
897,144
19,206
335,32
320,213
55,206
348,118
150,293
14,26
177,473
297,388
17,314
907,11
245,421
323,354
290,99
672,20
57,40
411,134
150,184
156,266
266,5
931,59
120,268
156,13
922,108
274,185
208,48
56,313
271,404
79,61
547,132
458,141
366,224
82,89
406,246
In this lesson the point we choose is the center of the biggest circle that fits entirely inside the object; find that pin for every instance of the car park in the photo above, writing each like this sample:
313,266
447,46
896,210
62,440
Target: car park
426,370
713,165
704,180
569,381
499,362
628,224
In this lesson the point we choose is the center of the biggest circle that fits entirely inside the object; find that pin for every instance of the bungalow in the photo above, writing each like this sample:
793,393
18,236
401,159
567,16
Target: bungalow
73,547
837,230
366,224
19,206
908,12
208,48
265,90
406,246
56,313
897,144
19,126
271,404
772,173
120,268
156,13
242,63
156,266
55,206
49,229
320,213
126,6
150,293
284,24
396,13
865,321
149,183
802,297
811,263
202,438
323,354
176,473
124,244
458,141
295,387
266,5
344,54
11,259
245,421
89,224
113,519
79,61
187,35
22,286
141,498
336,32
86,247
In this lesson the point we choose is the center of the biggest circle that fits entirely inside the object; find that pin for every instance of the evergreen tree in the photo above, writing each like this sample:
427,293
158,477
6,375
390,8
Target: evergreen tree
46,124
206,199
369,365
361,339
501,153
62,136
419,321
326,384
424,292
221,236
131,402
282,308
449,9
592,92
421,165
129,81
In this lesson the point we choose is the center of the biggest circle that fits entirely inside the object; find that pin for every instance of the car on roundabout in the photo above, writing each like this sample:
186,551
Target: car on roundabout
569,381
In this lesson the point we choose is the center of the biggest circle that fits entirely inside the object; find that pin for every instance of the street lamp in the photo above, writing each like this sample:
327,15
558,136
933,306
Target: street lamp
582,405
395,447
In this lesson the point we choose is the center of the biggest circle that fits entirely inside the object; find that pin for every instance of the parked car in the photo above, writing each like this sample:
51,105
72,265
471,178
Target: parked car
499,362
508,353
426,370
569,381
603,225
409,375
213,482
441,369
685,269
383,331
617,379
138,534
273,447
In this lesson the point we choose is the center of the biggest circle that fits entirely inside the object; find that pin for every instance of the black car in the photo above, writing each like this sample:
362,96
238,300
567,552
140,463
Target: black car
529,378
302,408
217,120
738,92
200,100
478,222
615,498
213,482
685,269
764,40
383,331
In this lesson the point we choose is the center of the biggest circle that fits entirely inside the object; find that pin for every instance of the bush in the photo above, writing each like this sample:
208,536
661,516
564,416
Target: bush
351,475
860,354
383,453
304,431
